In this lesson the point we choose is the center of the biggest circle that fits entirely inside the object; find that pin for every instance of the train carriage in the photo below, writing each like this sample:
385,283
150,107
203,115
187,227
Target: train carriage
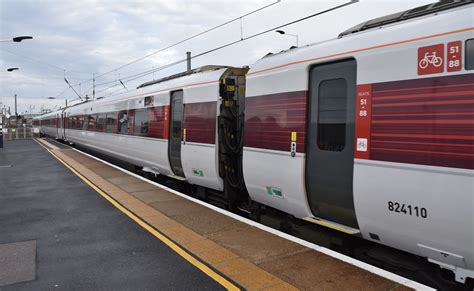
372,134
167,127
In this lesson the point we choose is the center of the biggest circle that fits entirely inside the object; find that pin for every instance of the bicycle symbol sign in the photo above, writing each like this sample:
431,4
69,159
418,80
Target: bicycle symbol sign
431,59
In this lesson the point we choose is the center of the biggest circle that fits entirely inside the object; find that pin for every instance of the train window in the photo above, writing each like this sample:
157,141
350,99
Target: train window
470,54
80,122
100,126
84,122
332,102
140,126
123,122
156,122
91,122
110,122
176,118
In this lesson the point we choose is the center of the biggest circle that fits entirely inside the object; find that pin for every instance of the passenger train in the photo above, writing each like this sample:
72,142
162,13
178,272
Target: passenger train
370,133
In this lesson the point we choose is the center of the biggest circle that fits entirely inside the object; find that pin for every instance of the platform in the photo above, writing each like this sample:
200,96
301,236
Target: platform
75,222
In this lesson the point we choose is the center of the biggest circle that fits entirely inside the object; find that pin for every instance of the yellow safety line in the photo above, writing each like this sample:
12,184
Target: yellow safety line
205,269
329,225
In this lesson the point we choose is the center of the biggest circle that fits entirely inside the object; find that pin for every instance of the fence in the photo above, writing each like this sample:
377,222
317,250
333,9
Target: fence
19,133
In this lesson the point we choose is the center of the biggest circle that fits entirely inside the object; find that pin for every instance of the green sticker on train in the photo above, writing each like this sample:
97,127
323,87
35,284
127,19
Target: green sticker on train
198,172
274,191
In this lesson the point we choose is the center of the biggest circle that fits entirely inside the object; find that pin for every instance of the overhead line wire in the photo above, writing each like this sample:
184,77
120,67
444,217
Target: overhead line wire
274,28
148,72
137,76
191,37
180,42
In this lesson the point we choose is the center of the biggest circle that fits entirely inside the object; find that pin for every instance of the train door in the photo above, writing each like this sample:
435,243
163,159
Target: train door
58,125
330,143
175,137
63,118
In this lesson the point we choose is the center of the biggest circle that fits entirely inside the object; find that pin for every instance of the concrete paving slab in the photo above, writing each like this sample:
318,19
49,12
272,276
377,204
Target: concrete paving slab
105,172
177,207
160,222
325,271
124,180
206,222
17,262
155,196
256,280
236,266
255,245
137,187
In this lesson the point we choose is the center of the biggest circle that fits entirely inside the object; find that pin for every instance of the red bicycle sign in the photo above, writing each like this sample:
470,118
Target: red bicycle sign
431,59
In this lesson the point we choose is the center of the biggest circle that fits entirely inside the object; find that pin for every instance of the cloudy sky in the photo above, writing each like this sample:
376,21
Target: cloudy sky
78,38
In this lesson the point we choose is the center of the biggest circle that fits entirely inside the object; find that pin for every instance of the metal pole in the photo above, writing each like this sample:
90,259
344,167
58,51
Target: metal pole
93,86
16,112
1,128
188,60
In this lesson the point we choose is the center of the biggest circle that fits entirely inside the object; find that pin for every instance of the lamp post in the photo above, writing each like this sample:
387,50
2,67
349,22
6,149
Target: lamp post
17,39
1,126
294,35
2,115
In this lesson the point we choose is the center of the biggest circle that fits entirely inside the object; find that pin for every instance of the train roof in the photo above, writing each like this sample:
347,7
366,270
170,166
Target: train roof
49,114
406,15
182,74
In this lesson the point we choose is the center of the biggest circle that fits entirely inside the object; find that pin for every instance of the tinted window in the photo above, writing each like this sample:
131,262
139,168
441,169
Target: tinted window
332,102
141,122
100,122
91,122
470,54
111,122
80,122
156,122
177,116
123,122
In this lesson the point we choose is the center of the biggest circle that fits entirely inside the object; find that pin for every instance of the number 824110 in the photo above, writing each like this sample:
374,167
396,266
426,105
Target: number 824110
407,209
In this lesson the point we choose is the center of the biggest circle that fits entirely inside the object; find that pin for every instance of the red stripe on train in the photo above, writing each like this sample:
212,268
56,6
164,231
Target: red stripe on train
424,121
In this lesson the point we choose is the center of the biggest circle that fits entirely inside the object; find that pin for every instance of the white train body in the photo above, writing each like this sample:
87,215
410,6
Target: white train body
371,134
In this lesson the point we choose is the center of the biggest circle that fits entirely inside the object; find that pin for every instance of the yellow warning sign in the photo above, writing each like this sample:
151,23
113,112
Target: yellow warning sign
293,136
